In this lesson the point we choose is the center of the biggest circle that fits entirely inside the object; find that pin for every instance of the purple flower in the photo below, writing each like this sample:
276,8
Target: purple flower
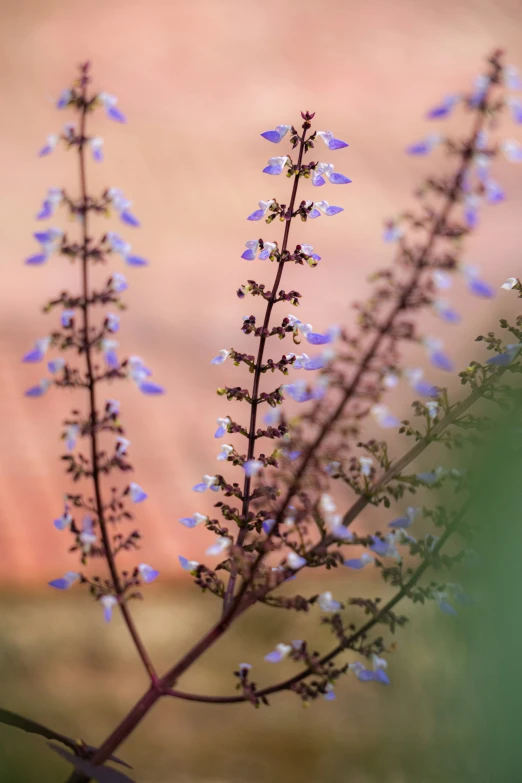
383,417
193,521
477,286
66,318
109,353
252,467
208,482
428,477
71,436
54,198
39,390
316,338
277,134
323,170
268,525
494,193
221,545
64,99
188,565
65,520
97,148
512,150
87,536
323,206
38,352
503,359
122,248
108,602
252,247
330,141
445,311
480,88
109,102
280,653
420,386
121,205
55,365
49,145
359,562
221,357
222,426
471,210
118,282
512,78
136,493
327,603
299,391
50,241
403,523
424,146
147,573
112,322
65,581
260,213
276,165
437,357
443,109
392,232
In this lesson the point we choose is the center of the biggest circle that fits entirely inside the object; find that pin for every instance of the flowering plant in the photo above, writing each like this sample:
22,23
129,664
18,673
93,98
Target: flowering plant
303,446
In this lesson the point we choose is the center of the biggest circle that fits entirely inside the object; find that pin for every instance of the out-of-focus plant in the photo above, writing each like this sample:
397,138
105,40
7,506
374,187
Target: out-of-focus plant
277,516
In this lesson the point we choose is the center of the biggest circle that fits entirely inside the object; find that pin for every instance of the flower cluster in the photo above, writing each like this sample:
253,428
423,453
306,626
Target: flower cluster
97,524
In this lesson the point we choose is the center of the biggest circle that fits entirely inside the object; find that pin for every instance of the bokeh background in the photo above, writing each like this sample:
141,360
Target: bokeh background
198,82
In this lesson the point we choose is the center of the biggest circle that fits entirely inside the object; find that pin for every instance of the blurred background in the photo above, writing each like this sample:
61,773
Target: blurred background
198,82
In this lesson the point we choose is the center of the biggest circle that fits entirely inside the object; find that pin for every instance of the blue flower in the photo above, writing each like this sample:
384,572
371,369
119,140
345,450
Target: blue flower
108,602
437,357
268,525
323,170
118,282
121,205
252,467
97,148
275,136
64,99
505,358
56,365
424,146
208,482
222,426
280,653
330,141
38,352
322,206
49,145
65,520
444,309
276,165
512,150
260,213
252,247
443,109
39,390
359,562
109,102
50,241
384,417
193,521
65,581
188,565
403,523
476,286
136,493
54,198
148,574
420,386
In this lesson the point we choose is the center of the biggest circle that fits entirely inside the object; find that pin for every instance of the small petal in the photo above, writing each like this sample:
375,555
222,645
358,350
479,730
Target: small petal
188,565
148,574
294,561
252,467
136,493
66,581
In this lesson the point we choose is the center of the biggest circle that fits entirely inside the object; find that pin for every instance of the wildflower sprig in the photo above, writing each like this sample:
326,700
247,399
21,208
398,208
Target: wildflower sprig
94,521
280,516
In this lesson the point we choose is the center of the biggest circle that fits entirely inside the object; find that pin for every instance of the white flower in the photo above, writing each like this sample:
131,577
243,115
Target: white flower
433,408
366,465
221,545
295,562
225,452
509,284
327,603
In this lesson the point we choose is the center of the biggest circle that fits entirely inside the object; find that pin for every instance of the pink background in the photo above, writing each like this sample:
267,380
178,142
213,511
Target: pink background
198,82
